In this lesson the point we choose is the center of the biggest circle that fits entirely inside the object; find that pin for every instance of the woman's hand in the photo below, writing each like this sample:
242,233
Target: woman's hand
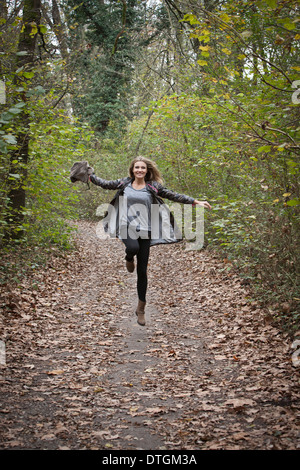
205,204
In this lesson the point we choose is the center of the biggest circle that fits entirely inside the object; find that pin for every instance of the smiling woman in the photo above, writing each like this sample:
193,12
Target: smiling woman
138,197
139,173
152,173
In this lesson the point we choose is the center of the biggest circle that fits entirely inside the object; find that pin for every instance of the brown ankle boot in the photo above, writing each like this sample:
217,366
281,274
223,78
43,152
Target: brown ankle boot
130,266
140,312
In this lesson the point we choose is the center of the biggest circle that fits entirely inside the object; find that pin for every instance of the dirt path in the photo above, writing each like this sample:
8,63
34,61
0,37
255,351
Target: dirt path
208,371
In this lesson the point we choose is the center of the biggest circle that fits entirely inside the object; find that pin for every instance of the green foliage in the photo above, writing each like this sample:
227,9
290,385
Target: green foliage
104,67
51,203
234,142
54,143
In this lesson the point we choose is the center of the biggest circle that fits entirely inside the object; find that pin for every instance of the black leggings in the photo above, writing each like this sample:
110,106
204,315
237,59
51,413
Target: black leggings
141,249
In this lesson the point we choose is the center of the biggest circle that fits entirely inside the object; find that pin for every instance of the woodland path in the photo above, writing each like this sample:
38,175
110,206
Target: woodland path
208,371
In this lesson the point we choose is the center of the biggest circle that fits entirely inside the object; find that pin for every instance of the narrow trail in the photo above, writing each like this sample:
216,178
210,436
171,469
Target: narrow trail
208,371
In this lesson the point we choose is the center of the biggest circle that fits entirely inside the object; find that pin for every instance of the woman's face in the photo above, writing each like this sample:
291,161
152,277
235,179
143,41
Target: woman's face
140,170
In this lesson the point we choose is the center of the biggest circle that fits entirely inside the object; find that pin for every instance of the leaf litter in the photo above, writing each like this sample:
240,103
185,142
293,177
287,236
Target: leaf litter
208,371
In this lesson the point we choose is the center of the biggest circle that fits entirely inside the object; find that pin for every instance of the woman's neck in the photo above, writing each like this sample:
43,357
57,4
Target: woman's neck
139,183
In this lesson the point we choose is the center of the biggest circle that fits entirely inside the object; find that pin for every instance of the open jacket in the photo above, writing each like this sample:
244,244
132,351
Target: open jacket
163,227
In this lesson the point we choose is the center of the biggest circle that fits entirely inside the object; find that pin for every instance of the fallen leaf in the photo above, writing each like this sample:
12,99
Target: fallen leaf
56,372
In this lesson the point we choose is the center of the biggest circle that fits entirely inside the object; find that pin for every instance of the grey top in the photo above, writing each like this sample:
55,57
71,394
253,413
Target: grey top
135,209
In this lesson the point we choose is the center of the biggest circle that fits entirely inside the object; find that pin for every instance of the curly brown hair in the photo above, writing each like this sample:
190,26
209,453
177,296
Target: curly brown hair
153,173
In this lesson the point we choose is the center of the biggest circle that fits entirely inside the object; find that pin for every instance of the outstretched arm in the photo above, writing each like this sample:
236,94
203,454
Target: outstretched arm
163,192
176,197
106,184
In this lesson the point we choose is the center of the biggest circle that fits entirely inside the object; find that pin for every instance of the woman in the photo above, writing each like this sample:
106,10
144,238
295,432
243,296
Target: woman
136,212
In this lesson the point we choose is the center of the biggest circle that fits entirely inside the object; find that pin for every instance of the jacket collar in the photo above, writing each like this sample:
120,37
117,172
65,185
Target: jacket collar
150,185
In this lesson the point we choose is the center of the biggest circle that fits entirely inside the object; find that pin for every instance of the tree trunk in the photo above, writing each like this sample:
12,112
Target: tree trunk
19,158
